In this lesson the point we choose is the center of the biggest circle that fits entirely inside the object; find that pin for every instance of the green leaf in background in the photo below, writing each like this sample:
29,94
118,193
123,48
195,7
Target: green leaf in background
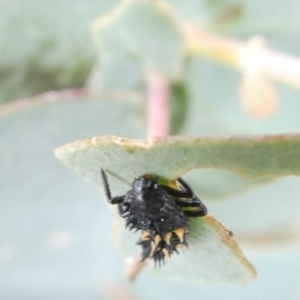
179,107
55,239
141,33
205,13
46,45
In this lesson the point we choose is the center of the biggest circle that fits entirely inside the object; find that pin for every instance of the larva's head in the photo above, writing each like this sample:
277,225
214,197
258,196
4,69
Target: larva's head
144,184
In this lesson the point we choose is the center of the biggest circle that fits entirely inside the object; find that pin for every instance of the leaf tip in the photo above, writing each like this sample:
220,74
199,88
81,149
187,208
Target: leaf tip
227,238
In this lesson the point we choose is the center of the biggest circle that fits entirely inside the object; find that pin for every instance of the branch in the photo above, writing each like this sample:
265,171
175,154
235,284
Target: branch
272,64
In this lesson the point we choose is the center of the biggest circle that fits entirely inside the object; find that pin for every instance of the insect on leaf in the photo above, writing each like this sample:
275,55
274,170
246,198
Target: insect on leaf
212,254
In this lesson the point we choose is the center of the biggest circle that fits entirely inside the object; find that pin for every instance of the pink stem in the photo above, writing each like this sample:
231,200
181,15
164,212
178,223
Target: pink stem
158,106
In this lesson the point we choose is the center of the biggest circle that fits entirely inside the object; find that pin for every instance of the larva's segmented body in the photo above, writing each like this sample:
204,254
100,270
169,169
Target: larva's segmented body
160,212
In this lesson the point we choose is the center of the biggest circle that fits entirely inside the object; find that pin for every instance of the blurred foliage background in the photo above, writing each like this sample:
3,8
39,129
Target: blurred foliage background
91,77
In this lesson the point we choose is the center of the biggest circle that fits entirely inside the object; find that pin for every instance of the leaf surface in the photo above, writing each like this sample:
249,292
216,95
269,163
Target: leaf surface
248,157
125,159
212,254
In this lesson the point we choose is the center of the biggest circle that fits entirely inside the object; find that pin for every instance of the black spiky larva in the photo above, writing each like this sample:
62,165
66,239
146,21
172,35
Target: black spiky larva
160,212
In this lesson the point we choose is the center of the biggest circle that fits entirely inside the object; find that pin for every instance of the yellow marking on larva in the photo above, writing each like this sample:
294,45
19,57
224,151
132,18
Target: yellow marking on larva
166,253
145,236
180,232
180,247
153,248
168,237
157,239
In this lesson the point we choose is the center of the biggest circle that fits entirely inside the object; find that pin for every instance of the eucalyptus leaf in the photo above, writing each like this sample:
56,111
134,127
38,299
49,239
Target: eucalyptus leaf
143,35
260,159
125,159
55,238
212,254
209,240
45,45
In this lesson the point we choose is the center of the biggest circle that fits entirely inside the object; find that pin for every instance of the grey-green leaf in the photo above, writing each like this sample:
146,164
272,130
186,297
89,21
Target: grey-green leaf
141,33
266,157
249,157
212,254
